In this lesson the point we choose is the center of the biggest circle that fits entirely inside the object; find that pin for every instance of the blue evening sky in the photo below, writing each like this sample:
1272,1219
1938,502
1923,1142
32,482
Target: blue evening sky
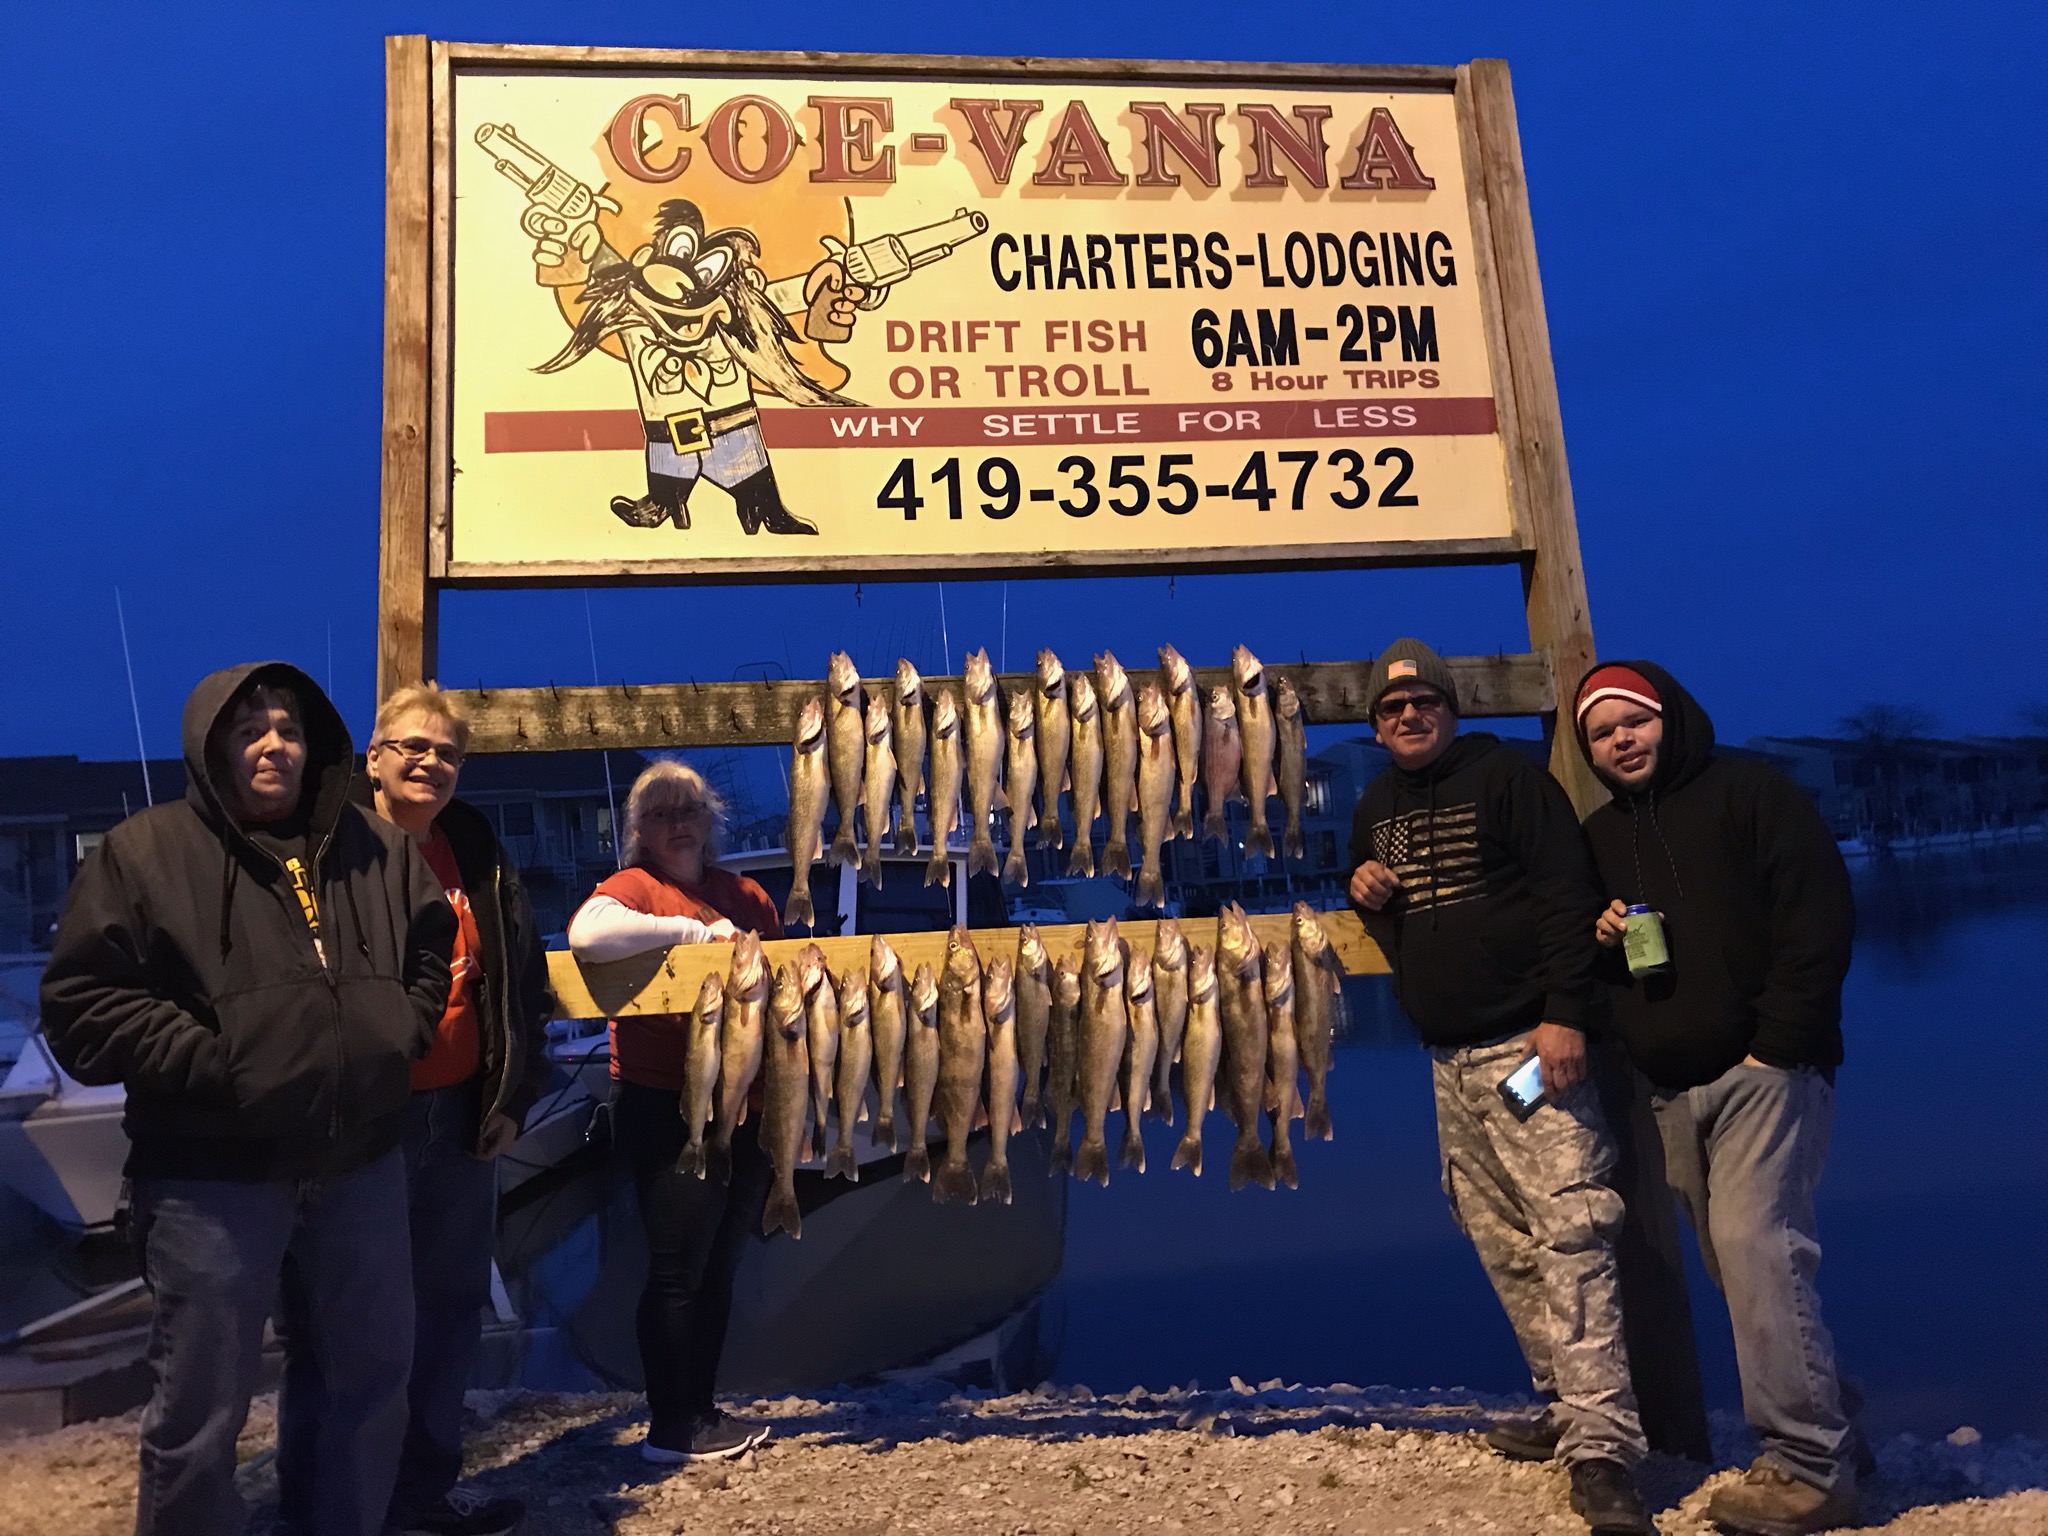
1793,258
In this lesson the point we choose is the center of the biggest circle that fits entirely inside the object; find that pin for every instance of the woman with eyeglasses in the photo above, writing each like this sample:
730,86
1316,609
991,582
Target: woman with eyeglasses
672,891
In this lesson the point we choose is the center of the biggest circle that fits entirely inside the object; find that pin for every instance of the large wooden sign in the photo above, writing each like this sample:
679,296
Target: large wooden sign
673,316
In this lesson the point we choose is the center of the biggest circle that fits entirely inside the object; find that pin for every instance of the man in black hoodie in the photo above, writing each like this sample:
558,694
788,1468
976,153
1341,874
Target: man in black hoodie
1739,1033
1471,874
258,965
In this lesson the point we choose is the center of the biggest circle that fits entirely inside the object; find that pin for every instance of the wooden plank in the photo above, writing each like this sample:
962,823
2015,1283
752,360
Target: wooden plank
1024,563
405,623
659,982
953,66
441,321
1553,580
765,713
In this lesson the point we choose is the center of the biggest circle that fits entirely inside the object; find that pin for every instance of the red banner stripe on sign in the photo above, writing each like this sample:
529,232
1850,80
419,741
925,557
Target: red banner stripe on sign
955,426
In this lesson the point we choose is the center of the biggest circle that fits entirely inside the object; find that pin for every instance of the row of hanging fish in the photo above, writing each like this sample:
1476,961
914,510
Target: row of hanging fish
1015,1043
1115,749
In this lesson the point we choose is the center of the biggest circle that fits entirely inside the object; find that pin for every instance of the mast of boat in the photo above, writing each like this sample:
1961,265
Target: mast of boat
611,795
141,752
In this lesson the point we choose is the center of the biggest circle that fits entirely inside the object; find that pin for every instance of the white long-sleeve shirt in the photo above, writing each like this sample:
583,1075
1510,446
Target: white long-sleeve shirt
605,928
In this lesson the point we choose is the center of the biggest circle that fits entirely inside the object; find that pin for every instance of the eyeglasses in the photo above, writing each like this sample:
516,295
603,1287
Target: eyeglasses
696,812
1394,708
416,749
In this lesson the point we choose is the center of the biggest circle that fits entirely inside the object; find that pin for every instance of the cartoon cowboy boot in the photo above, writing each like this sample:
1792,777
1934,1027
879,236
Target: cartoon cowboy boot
760,506
667,496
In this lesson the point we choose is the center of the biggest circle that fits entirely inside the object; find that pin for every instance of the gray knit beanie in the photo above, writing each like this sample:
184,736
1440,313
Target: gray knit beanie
1409,661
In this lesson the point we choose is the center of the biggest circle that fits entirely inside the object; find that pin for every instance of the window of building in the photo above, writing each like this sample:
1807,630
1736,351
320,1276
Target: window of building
83,843
517,818
1318,797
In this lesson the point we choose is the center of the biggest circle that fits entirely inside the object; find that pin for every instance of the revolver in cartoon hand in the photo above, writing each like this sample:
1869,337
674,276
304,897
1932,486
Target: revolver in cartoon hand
556,202
872,266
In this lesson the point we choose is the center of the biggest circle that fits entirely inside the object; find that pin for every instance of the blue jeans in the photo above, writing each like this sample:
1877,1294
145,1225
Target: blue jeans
1744,1155
213,1253
452,1201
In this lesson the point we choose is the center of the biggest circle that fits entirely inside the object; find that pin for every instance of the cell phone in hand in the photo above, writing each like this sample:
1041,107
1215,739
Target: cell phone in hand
1523,1088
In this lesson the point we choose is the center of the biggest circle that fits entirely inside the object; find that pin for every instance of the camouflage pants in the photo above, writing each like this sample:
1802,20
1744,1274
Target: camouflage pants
1534,1198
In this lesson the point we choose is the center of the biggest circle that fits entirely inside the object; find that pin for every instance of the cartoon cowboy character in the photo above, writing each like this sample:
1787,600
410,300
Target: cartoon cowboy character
692,310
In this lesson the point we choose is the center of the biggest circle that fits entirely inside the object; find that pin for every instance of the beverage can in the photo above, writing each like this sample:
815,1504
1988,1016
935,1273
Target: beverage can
1644,945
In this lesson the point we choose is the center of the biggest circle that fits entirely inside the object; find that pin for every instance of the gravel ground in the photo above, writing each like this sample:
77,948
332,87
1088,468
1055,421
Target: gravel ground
1054,1462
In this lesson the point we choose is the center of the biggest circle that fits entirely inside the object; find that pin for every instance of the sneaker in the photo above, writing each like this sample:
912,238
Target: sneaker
1769,1501
715,1436
463,1513
1603,1497
1525,1439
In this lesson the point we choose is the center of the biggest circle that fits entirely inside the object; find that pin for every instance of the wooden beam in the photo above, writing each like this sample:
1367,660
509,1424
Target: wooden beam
1553,579
765,713
405,601
667,982
1237,559
501,56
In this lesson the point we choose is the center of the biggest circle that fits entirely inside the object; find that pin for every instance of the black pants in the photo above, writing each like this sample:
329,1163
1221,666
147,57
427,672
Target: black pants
696,1231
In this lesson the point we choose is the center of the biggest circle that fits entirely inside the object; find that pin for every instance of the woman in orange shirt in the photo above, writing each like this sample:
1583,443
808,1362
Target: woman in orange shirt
672,891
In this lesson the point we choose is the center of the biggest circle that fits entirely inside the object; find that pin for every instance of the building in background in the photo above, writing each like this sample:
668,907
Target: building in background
1910,790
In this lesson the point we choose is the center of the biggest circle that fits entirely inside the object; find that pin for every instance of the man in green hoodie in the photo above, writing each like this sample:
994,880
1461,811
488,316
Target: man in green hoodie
1471,874
258,965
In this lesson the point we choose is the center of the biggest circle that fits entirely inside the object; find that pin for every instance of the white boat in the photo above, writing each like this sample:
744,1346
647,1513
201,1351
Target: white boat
61,1143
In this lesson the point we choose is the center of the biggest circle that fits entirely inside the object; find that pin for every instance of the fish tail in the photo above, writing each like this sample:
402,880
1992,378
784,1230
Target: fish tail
1082,860
995,1183
1292,842
1189,1153
917,1164
871,863
1249,1163
1283,1160
843,849
940,870
1029,1110
692,1160
1258,838
981,853
1015,871
781,1214
1062,1142
1116,857
1091,1161
1213,825
1151,891
841,1164
906,833
885,1124
720,1159
954,1181
1134,1145
1316,1121
1162,1093
798,908
1050,833
1184,823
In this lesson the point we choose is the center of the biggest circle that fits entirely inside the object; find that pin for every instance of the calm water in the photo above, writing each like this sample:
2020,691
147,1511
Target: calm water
1934,1212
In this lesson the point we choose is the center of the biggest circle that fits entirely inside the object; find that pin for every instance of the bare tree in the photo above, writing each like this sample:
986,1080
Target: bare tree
1887,724
1882,739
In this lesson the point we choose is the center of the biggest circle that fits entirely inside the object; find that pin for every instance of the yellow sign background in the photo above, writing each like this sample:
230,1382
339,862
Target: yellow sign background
549,506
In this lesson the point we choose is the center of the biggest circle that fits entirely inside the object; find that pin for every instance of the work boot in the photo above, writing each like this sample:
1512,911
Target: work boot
1603,1497
1532,1439
760,508
1769,1501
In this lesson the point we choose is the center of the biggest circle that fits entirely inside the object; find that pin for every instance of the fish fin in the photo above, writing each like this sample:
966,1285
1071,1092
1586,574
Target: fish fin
1184,824
1315,1122
1283,1164
692,1160
1015,870
1082,860
981,853
1134,1146
1162,1095
1249,1164
798,908
1116,858
871,863
940,870
995,1183
1258,839
841,1164
885,1128
1051,834
1293,843
1091,1161
917,1164
719,1158
781,1214
1151,891
819,1148
843,849
1016,1120
906,834
954,1181
1029,1111
1213,827
1189,1153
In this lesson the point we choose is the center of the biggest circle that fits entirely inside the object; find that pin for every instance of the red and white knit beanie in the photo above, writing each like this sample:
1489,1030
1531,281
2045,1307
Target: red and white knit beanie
1616,683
